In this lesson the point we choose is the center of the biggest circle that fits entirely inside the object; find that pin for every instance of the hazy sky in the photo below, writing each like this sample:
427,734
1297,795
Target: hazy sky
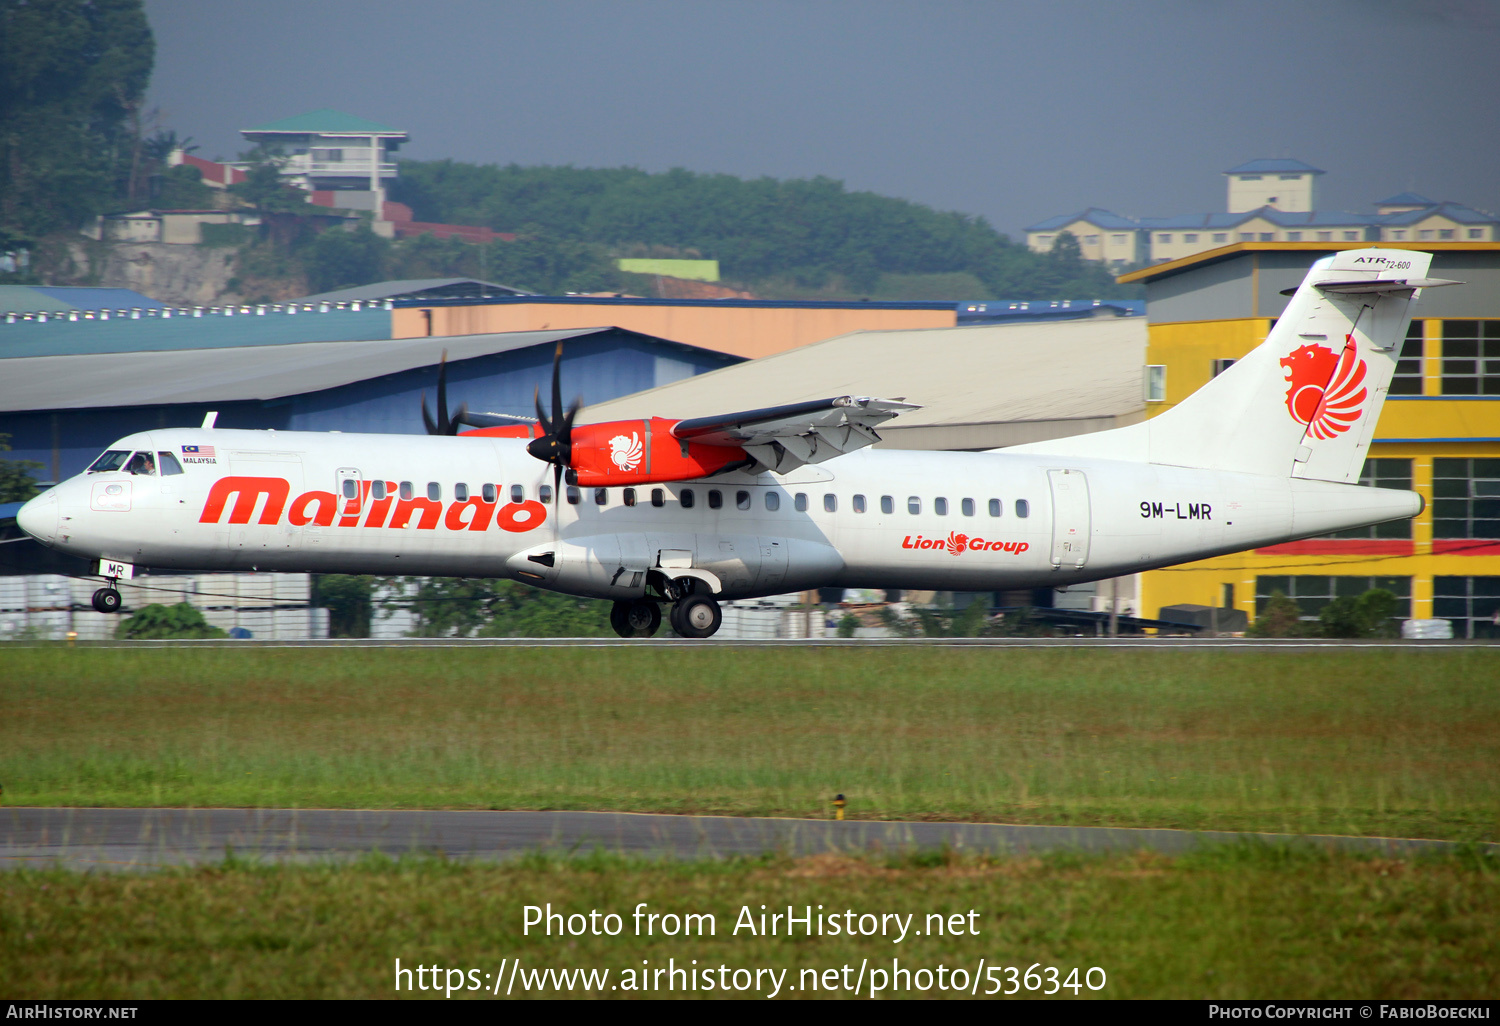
1012,109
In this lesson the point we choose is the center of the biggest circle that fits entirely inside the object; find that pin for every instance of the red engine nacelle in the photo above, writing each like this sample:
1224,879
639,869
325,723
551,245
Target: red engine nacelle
630,452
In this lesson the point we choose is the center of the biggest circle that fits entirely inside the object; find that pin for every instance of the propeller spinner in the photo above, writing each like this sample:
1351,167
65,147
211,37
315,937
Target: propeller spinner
555,446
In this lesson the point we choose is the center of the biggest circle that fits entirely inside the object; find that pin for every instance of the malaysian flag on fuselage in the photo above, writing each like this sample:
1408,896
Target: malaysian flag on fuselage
197,450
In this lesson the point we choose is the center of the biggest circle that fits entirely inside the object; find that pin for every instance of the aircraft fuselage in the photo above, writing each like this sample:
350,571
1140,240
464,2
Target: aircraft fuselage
478,507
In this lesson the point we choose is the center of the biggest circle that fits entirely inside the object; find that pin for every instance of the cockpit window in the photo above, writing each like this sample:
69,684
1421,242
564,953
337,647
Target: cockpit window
114,459
142,463
168,464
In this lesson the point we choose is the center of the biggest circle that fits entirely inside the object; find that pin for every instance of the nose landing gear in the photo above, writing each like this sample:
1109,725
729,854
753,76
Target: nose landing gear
696,616
639,618
107,600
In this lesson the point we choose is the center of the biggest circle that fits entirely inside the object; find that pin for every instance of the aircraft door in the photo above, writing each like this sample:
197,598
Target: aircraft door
1071,524
772,561
635,561
351,492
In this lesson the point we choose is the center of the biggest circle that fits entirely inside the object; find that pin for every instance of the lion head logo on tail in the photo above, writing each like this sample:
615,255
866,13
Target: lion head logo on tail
1325,390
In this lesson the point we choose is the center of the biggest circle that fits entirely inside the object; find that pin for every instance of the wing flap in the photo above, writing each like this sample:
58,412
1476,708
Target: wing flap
782,438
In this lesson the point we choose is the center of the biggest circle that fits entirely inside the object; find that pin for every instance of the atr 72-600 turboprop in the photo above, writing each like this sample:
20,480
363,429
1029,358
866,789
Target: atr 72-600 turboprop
684,513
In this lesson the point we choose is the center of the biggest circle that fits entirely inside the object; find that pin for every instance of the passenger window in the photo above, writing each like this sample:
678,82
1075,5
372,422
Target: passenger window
142,463
715,498
628,496
114,459
461,492
914,505
573,495
967,507
800,502
830,502
168,464
995,507
351,488
406,489
601,496
940,506
488,491
377,489
1023,508
517,493
773,501
687,498
545,493
434,491
859,504
658,497
742,499
887,504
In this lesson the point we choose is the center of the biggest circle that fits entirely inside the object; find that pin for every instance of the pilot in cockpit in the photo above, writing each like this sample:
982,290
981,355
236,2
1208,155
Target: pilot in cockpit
141,463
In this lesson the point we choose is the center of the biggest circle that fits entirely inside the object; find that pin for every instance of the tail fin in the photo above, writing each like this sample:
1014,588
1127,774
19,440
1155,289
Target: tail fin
1303,403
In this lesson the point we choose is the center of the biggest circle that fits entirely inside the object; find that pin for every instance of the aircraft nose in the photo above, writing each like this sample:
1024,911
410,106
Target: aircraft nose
39,517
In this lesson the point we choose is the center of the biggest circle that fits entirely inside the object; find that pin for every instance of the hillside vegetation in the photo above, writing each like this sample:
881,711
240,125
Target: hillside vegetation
802,236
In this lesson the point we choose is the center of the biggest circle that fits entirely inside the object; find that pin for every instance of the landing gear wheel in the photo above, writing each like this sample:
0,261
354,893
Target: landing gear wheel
696,616
640,618
107,600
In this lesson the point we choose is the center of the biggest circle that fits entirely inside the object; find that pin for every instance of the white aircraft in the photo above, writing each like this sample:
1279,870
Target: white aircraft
685,513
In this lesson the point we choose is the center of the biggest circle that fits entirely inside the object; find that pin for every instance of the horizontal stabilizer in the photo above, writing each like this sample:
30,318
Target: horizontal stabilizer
1378,286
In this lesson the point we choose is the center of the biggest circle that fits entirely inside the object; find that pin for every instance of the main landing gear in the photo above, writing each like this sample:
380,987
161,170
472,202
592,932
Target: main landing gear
638,618
696,616
692,616
107,600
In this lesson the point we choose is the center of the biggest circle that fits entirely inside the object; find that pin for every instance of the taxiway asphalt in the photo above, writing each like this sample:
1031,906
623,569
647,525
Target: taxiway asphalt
89,838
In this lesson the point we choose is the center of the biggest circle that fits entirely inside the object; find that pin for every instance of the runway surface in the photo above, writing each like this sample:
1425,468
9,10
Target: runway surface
668,641
150,838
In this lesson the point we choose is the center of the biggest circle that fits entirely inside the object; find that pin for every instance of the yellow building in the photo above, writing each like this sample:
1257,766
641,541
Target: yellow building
1439,433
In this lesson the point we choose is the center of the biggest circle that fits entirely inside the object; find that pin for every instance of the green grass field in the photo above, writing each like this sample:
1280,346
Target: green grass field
1231,923
1361,741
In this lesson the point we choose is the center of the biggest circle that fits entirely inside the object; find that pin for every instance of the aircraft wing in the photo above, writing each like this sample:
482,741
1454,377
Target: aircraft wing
783,438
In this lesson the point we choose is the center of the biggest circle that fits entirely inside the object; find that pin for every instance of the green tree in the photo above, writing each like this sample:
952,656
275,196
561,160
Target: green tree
157,621
349,601
182,188
1368,615
972,621
72,75
263,187
466,608
526,612
16,482
337,259
1281,618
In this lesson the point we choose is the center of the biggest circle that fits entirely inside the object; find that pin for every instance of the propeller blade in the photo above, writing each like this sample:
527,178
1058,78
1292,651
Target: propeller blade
557,497
555,443
557,380
458,418
432,429
541,414
442,396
